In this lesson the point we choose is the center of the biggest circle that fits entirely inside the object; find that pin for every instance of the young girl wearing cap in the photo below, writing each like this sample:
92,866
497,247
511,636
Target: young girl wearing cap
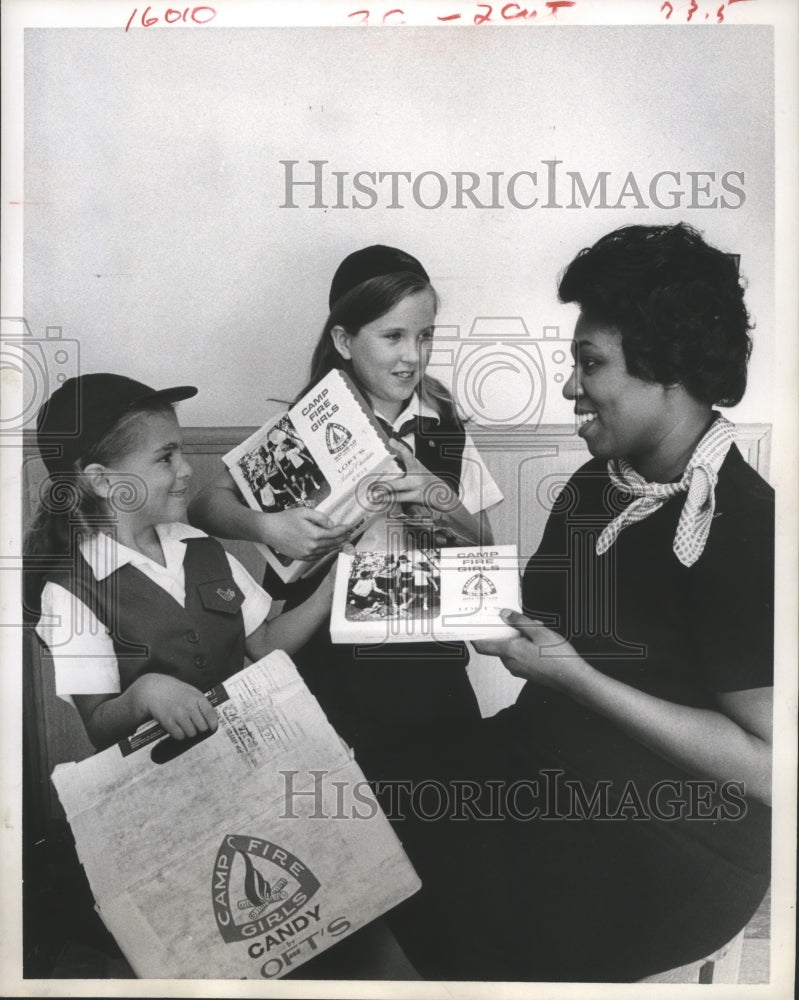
380,330
141,612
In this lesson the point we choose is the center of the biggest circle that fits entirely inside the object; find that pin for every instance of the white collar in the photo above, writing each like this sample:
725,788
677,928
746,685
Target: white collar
105,555
416,407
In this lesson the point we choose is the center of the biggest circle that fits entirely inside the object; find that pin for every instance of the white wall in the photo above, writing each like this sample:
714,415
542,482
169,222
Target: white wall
153,229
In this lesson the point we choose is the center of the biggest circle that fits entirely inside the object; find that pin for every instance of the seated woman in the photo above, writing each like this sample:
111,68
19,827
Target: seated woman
614,822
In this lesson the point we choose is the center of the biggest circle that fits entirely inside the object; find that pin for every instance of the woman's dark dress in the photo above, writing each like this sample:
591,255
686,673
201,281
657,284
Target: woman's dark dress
664,867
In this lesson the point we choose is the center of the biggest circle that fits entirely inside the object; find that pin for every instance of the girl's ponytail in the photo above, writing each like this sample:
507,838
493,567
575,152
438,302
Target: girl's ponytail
68,510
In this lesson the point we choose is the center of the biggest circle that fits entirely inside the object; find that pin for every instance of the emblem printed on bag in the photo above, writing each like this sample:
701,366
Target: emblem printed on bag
337,438
227,594
257,885
479,586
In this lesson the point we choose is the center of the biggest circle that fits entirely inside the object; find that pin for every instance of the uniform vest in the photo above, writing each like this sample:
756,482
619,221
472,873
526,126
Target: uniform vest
369,692
439,447
201,643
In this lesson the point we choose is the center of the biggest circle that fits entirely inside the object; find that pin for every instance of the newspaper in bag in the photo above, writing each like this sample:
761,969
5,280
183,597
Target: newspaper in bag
244,855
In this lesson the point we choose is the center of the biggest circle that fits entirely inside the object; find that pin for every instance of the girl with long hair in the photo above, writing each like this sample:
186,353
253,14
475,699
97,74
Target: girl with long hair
380,330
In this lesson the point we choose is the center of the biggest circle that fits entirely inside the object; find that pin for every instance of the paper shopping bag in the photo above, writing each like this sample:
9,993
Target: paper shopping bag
244,855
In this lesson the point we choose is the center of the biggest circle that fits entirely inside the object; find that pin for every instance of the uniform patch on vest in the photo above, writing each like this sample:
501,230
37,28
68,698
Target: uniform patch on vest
257,886
221,595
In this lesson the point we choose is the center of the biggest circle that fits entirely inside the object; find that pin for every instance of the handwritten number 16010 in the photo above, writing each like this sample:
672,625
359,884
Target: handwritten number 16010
189,15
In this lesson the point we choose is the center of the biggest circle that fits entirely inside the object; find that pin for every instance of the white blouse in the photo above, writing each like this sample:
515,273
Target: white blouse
80,646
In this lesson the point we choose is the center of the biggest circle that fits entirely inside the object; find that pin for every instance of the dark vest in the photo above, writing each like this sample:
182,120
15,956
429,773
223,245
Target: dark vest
439,447
201,643
371,692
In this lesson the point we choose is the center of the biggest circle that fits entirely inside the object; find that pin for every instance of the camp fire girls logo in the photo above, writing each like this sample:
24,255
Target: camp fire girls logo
337,438
479,586
256,886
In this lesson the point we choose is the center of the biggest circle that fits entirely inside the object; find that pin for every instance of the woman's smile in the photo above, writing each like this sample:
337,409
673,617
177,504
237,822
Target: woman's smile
585,420
619,415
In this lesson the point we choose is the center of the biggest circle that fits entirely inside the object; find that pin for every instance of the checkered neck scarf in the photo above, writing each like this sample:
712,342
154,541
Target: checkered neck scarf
698,481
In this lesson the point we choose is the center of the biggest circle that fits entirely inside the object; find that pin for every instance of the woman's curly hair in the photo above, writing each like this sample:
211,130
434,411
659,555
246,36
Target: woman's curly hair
677,302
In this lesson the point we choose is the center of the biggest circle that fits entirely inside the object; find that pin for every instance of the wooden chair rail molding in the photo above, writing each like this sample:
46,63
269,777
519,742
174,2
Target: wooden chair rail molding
529,465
